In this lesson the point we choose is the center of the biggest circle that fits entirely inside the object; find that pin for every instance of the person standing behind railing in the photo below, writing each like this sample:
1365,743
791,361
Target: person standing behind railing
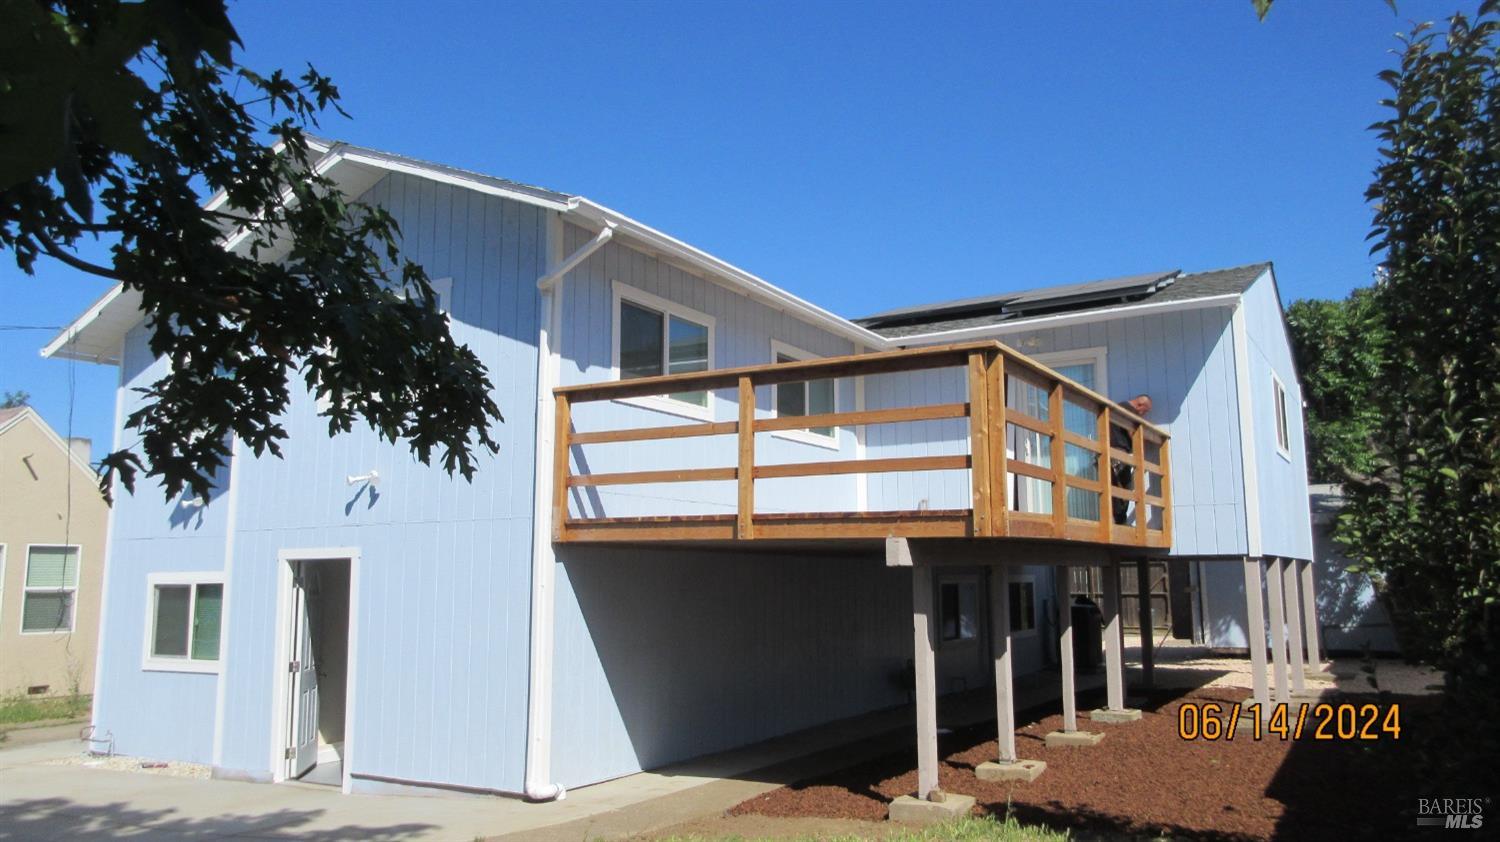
1122,474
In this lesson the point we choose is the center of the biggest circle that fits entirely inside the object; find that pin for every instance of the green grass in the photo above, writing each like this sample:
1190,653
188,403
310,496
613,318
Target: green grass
983,829
19,710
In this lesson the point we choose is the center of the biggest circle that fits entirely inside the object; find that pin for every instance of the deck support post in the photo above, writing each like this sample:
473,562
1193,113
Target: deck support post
1310,616
1278,629
1255,635
1148,628
922,610
1295,666
1114,656
1065,646
1005,699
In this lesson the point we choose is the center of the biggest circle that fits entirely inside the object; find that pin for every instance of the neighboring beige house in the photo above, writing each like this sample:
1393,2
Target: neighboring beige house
51,559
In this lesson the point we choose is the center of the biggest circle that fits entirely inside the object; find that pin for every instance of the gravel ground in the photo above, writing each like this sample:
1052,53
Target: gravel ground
120,763
1144,779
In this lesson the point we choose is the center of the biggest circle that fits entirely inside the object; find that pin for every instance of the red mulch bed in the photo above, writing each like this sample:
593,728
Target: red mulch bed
1144,779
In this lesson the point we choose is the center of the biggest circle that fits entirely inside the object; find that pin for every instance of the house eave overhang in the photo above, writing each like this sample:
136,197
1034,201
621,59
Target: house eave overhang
99,332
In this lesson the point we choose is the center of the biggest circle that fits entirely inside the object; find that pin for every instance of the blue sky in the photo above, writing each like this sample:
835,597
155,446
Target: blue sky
863,156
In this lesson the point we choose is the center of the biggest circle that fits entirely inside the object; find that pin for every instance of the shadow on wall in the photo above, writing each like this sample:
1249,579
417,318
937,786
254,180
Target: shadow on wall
702,651
60,818
1350,614
188,513
1226,625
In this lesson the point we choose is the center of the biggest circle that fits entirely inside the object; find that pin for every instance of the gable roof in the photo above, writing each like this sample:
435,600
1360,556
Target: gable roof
9,418
1027,307
96,335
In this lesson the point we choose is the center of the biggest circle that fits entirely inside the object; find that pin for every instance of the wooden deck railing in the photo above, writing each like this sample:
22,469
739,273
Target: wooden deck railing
1040,449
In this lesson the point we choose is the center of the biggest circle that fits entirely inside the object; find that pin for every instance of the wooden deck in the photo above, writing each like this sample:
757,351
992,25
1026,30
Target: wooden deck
1010,396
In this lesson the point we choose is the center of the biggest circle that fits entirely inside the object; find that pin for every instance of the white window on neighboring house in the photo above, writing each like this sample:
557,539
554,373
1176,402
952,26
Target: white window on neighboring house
958,608
653,337
809,397
1283,434
1022,598
184,621
50,589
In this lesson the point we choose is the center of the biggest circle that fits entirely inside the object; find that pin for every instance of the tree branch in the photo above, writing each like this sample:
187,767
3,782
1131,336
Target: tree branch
56,251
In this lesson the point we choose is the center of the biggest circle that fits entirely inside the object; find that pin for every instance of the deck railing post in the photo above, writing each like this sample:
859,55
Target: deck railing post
1106,478
1166,489
1138,452
560,470
1059,462
999,473
979,450
745,522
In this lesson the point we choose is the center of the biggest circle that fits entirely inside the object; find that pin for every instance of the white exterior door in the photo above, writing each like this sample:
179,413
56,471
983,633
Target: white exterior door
303,742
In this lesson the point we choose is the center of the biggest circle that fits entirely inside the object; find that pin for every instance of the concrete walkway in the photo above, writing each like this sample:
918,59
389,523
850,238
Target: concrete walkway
44,800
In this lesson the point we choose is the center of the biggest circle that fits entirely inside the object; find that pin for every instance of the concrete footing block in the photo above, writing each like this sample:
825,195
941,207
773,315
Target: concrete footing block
1025,771
916,811
1074,738
1115,716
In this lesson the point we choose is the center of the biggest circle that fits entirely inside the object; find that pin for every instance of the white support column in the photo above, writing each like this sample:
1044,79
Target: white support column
922,610
1255,634
1148,632
1005,699
1065,647
1278,629
1114,656
1310,617
1295,667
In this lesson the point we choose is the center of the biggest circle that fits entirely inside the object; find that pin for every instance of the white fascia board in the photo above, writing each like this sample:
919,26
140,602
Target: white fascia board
1063,320
370,157
96,336
728,275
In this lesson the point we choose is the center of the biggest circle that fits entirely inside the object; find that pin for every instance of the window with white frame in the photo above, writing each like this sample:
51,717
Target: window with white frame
958,608
184,621
49,590
1022,604
1087,367
654,336
808,397
1283,434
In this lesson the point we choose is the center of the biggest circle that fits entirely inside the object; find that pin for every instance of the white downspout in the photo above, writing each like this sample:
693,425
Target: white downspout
539,786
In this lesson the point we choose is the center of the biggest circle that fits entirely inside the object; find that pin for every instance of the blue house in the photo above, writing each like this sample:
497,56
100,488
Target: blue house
719,512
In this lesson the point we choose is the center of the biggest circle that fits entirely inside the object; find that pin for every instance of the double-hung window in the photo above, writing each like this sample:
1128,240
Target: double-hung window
958,608
1283,433
184,621
1087,368
50,589
807,397
653,337
1022,604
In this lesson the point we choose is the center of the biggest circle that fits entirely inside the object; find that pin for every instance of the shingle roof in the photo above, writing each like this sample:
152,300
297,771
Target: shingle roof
1017,307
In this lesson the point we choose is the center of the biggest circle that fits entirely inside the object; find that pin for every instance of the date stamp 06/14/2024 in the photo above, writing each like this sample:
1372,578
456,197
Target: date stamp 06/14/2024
1346,722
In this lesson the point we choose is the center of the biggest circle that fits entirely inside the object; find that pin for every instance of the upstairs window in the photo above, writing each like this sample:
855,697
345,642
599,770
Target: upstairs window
50,590
654,337
1283,435
814,397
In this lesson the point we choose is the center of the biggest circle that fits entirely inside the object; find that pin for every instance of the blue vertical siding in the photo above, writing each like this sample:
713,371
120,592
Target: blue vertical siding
1286,521
166,715
742,336
440,673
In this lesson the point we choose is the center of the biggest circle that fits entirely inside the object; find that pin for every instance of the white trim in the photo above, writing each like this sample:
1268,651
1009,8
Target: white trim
828,442
186,663
1247,431
1280,418
661,403
77,585
1061,320
279,686
861,479
538,752
109,548
1017,579
231,516
372,157
1098,355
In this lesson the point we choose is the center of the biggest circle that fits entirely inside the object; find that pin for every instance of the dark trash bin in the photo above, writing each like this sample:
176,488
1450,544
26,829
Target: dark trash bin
1088,634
